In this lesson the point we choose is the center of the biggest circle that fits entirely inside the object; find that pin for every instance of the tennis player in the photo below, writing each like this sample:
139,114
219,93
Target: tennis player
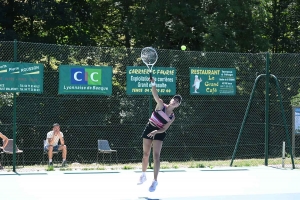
155,132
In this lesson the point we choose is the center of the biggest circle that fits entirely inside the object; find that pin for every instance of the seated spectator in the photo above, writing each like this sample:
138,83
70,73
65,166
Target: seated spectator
52,144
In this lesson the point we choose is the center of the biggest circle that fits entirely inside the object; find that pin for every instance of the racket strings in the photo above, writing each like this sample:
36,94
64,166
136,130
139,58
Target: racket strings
149,56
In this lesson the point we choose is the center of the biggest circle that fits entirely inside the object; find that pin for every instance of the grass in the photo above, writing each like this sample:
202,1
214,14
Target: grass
277,162
65,169
50,168
197,165
128,167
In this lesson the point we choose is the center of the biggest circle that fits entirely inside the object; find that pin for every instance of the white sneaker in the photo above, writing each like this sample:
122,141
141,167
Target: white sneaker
142,179
152,188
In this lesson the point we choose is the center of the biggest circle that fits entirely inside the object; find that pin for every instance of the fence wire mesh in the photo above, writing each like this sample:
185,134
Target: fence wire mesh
206,127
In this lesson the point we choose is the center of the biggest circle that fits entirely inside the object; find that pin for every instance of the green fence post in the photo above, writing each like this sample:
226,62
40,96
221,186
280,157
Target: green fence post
14,114
244,120
267,99
284,120
150,112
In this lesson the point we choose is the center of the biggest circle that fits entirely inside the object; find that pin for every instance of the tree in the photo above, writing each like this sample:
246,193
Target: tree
210,25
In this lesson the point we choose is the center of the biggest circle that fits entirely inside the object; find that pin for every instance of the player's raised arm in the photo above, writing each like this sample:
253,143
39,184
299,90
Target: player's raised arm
159,102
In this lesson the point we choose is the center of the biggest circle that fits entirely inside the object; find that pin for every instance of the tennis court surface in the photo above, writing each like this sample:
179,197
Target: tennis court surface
265,183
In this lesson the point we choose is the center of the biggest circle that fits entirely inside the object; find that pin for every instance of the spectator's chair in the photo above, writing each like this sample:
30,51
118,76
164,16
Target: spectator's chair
9,150
104,148
45,153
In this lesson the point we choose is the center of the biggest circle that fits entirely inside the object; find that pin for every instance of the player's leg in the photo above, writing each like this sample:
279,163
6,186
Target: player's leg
157,145
146,153
145,160
147,143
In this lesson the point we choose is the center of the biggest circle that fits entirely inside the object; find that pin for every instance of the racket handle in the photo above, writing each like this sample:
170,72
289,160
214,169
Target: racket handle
150,73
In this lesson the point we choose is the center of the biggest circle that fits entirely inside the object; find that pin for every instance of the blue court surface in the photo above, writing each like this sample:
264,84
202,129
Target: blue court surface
263,183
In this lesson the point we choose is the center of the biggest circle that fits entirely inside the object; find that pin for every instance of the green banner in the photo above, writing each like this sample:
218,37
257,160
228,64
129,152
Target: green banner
212,81
138,80
75,79
21,77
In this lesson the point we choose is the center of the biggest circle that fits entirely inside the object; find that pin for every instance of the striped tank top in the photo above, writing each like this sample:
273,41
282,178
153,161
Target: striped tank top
160,118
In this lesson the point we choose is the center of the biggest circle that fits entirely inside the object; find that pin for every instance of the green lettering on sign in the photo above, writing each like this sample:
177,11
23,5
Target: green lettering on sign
76,79
137,79
21,77
212,81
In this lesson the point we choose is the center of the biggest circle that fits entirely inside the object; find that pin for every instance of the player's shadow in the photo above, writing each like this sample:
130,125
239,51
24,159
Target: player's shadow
147,198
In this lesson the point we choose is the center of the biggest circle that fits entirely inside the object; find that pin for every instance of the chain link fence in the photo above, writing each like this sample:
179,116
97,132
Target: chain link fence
206,127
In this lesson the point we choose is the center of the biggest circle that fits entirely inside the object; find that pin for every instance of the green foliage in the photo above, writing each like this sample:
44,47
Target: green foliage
165,167
50,168
217,25
100,168
87,169
197,165
295,100
6,99
175,166
128,167
150,167
65,169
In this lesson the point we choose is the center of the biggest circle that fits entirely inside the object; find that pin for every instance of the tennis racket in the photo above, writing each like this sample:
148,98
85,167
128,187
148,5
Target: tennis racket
149,57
